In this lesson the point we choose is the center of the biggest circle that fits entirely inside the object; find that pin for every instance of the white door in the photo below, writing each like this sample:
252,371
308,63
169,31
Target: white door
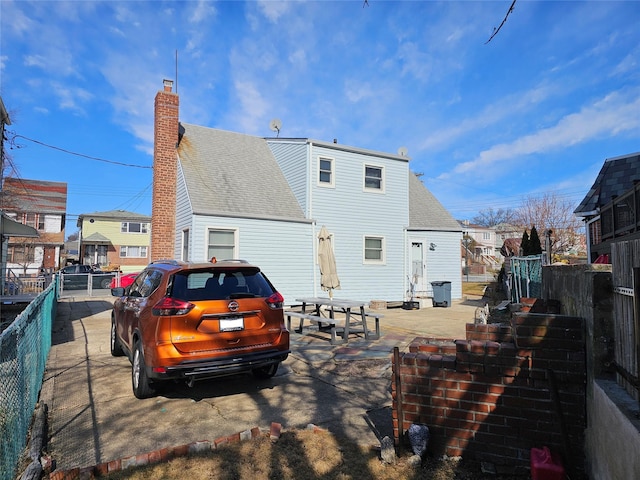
418,269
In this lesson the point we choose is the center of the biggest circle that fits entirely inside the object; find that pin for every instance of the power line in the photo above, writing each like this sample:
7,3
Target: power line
112,162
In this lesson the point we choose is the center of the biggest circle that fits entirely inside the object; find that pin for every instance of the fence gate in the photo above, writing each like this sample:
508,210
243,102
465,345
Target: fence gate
526,277
625,274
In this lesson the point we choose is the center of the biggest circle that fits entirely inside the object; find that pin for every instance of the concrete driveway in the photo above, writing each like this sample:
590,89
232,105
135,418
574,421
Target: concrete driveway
94,417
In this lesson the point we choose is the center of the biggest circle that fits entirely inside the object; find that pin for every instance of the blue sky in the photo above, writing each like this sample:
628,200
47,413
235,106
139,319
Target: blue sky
537,109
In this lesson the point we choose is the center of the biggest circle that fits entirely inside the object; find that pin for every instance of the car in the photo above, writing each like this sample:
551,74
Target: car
196,321
74,277
125,280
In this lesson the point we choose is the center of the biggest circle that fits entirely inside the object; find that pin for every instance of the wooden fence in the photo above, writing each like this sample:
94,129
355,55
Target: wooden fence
625,267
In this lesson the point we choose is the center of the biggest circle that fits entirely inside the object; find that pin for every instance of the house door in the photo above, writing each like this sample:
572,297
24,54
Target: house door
418,269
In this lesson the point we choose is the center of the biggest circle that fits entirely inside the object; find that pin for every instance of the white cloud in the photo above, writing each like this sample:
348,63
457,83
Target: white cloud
509,106
74,99
253,107
612,115
273,10
203,11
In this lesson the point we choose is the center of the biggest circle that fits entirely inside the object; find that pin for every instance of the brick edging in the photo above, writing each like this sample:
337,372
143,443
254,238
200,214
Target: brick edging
166,454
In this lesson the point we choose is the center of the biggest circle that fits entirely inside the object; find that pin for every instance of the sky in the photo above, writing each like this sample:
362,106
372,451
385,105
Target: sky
487,120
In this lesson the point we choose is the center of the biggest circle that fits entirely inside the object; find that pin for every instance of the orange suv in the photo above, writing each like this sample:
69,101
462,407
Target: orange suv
194,321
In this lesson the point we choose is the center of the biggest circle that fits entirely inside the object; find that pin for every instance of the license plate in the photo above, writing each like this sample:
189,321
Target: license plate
231,324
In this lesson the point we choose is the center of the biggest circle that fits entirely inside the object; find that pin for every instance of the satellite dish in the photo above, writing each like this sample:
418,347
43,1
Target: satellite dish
275,125
402,151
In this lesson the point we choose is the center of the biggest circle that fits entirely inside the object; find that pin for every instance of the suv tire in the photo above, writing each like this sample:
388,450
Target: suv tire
266,372
105,283
139,381
116,346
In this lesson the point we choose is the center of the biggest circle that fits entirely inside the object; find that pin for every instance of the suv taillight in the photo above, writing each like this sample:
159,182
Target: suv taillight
275,301
171,306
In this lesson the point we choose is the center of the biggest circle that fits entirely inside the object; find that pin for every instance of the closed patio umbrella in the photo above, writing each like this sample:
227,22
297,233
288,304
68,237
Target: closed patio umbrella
329,280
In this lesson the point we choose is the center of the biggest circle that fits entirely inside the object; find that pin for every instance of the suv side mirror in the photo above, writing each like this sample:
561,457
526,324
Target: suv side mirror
117,291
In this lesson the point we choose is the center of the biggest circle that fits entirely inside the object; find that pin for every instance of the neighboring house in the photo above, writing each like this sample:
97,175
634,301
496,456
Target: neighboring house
504,232
41,205
115,239
483,248
610,208
230,195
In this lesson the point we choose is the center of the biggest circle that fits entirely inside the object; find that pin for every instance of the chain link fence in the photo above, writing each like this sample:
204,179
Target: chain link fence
525,277
24,347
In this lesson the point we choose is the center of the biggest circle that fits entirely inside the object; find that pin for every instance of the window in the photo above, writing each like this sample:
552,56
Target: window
325,171
134,227
373,250
133,252
21,254
221,244
373,178
145,284
41,222
185,245
30,219
486,235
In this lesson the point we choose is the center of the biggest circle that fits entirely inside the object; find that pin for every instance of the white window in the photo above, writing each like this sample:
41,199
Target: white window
30,219
325,172
374,178
374,250
134,227
185,245
486,235
133,252
221,244
40,223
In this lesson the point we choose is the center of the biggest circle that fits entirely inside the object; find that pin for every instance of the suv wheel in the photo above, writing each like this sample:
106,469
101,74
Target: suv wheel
116,347
141,385
105,283
266,372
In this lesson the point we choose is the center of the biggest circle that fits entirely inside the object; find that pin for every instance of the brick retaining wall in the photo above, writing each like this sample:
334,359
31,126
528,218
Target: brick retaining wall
491,396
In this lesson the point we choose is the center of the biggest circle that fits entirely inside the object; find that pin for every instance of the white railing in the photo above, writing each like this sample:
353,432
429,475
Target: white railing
15,285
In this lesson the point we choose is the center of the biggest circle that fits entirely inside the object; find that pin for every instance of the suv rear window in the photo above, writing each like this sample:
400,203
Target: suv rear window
220,285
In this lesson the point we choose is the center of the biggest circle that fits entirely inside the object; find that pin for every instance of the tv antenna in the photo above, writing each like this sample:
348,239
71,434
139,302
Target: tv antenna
275,125
402,151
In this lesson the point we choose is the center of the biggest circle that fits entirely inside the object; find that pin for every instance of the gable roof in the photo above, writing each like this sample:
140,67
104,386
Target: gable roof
34,196
228,173
615,178
96,238
425,211
119,215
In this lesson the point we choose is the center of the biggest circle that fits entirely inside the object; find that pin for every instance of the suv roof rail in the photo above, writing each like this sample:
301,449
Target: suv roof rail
167,261
234,260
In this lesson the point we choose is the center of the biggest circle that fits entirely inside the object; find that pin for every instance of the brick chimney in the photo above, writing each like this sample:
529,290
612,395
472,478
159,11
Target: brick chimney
165,168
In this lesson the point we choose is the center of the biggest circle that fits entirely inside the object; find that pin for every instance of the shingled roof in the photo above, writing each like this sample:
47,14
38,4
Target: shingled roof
425,211
116,215
615,178
230,173
34,196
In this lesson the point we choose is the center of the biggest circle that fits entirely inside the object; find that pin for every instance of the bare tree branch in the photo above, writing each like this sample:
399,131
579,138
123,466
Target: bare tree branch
496,30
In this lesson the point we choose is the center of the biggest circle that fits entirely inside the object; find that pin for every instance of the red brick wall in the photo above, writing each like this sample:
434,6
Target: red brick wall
491,396
163,207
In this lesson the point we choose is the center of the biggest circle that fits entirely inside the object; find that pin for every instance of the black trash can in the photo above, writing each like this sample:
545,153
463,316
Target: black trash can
441,293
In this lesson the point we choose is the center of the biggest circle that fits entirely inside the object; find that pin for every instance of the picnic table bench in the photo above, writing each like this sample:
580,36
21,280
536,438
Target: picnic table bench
345,306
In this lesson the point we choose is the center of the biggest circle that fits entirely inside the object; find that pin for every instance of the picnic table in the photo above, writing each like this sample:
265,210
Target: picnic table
355,315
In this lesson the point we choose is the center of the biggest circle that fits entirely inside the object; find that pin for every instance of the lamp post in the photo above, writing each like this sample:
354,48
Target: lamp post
466,241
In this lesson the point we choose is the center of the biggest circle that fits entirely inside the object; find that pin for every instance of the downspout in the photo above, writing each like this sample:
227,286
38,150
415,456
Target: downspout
588,232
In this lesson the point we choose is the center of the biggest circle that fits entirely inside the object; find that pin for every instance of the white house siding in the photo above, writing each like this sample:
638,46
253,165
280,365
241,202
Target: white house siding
183,215
281,249
53,223
443,262
350,214
292,159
